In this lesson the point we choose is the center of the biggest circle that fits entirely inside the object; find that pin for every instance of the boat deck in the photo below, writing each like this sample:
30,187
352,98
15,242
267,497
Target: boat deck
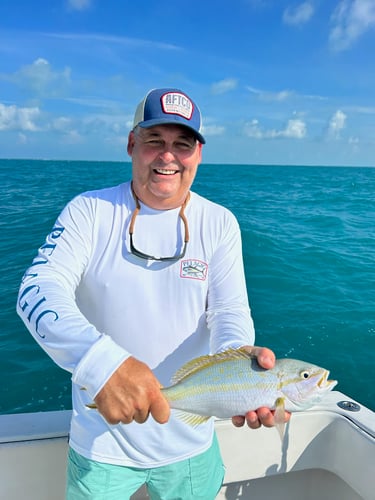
327,454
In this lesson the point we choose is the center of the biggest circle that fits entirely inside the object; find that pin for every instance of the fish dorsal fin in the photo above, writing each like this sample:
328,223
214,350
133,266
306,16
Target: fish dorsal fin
202,362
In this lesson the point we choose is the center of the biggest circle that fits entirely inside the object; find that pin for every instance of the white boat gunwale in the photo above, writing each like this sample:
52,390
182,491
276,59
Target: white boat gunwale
329,446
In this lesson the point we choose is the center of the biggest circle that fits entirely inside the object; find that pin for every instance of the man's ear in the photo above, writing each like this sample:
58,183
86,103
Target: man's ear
131,140
200,146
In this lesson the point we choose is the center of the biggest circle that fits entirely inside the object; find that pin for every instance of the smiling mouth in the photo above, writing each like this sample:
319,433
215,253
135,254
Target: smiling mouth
163,171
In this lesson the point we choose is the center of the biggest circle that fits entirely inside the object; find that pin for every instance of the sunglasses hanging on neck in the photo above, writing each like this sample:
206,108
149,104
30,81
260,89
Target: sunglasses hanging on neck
146,256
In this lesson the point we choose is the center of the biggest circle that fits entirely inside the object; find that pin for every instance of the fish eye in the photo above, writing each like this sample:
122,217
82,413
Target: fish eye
305,374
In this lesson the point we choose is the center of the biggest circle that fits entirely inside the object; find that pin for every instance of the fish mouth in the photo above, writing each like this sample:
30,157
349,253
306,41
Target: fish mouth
324,383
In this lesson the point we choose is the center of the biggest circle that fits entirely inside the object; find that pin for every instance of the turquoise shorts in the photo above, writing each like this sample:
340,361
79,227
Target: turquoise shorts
196,478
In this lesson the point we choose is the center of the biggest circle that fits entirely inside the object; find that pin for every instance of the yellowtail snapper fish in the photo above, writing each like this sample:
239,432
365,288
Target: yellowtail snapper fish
232,383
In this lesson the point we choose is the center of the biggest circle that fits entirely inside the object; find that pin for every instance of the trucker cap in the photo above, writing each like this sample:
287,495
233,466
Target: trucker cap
169,106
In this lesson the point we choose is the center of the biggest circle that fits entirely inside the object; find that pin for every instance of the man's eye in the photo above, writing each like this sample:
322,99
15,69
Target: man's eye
153,142
184,145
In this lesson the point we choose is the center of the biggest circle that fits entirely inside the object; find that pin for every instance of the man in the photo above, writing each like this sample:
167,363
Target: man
132,282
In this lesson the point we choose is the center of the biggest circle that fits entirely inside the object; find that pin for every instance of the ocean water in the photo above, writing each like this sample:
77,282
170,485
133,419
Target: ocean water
309,252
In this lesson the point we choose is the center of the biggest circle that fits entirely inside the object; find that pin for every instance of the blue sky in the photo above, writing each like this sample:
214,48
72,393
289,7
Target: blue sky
278,82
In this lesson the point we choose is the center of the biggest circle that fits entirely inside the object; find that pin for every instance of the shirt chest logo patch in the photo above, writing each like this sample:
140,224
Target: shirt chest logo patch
194,269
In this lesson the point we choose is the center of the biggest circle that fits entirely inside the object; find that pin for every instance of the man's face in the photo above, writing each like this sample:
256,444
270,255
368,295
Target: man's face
165,159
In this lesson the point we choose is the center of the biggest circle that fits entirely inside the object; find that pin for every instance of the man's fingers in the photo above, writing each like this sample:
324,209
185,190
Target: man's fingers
265,417
252,420
160,410
265,357
131,394
238,421
140,416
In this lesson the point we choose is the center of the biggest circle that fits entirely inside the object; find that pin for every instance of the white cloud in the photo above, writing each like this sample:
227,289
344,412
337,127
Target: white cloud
224,86
253,130
364,110
104,123
79,4
131,43
72,137
71,130
298,15
353,141
351,19
94,102
294,129
15,118
265,95
211,130
61,124
129,124
336,124
41,79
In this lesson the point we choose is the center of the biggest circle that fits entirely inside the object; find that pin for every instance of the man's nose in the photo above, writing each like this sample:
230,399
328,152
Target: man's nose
167,155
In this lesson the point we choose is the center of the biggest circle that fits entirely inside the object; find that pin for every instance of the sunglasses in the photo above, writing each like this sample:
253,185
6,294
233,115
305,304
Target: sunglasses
146,256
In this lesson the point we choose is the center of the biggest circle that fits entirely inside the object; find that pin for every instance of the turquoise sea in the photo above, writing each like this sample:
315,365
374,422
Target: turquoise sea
309,251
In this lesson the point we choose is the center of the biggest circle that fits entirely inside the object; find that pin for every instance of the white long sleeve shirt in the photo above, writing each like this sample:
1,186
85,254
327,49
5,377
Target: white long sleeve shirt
90,303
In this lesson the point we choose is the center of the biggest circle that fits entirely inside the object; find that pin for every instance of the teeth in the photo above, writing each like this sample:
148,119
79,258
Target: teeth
165,172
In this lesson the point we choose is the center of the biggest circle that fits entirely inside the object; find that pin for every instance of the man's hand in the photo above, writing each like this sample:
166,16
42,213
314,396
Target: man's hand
262,416
132,393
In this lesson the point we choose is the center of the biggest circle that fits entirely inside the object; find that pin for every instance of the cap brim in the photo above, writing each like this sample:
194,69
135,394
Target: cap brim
156,121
